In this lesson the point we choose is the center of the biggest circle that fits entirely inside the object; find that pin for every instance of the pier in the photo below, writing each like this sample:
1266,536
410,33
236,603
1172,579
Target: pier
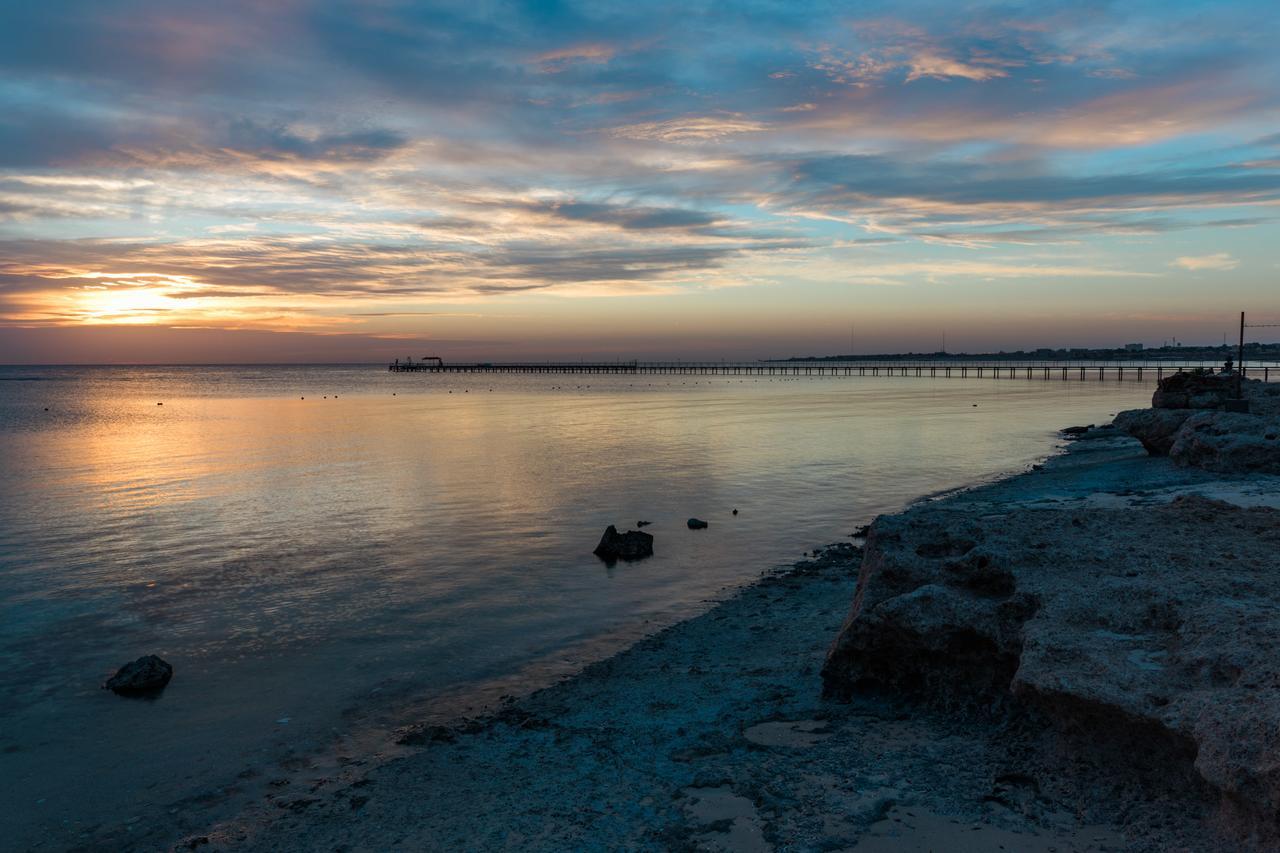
1120,371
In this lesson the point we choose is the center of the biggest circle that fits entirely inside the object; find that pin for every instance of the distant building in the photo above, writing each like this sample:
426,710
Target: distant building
1133,347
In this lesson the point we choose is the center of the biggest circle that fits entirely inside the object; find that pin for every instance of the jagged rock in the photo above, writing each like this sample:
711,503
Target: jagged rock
632,545
1188,424
697,524
643,523
1074,431
1143,636
147,674
1155,428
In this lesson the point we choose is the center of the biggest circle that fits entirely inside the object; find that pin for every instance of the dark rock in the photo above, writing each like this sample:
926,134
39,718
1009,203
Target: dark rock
945,546
697,524
861,531
1075,430
147,674
1196,389
632,545
643,523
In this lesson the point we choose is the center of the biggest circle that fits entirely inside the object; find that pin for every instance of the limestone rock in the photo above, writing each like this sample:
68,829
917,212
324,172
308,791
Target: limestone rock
632,545
1145,636
1188,423
147,674
1228,442
1155,428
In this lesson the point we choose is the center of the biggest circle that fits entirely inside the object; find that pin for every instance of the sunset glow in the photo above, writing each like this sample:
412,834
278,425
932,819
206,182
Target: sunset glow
535,180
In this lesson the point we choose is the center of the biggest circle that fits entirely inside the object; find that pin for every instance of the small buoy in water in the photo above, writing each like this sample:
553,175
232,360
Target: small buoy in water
302,398
735,512
975,405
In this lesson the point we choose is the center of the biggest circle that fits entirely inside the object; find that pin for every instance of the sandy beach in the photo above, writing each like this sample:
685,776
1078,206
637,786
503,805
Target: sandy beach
716,734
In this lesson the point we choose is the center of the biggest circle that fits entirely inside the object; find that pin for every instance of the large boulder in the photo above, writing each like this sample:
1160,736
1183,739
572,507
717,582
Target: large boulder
147,674
1228,442
1155,428
632,545
1144,637
1189,424
1196,389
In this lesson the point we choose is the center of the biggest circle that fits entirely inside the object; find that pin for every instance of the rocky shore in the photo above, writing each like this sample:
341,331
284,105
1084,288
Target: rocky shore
1077,658
1130,630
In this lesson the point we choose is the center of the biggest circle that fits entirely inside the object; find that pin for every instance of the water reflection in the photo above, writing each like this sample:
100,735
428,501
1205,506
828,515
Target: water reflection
301,558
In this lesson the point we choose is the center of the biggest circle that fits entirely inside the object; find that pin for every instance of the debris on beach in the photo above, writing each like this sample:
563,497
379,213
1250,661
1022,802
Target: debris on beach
147,674
697,524
632,545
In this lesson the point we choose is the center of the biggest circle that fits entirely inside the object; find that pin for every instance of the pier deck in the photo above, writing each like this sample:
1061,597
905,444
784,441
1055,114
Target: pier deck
1061,370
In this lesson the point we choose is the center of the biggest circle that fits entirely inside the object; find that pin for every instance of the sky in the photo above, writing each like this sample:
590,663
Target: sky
301,180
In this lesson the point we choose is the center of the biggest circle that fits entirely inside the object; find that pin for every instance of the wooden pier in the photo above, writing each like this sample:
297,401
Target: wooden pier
1044,370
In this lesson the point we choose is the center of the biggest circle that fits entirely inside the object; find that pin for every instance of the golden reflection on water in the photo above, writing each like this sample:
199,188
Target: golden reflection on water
300,557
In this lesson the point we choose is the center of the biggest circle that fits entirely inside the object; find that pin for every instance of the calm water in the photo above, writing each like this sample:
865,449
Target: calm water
311,566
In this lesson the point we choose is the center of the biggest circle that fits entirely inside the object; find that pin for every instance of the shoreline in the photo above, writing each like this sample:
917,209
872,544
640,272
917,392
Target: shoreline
232,726
693,715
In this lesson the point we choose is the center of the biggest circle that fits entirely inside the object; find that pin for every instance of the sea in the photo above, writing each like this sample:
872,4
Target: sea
326,553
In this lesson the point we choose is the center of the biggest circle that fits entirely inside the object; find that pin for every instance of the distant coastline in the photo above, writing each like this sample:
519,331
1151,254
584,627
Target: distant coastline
1269,352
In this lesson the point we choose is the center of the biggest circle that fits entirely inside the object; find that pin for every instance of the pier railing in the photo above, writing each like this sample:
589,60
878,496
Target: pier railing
1082,370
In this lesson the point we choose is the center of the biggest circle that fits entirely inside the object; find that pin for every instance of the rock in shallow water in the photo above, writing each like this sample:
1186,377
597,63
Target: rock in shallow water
147,674
632,545
697,524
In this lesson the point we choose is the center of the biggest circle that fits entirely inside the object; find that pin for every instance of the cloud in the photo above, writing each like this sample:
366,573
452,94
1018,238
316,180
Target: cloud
557,60
926,197
691,129
280,142
244,162
1198,263
631,218
939,271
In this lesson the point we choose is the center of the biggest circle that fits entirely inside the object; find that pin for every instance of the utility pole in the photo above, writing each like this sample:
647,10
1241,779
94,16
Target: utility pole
1240,361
